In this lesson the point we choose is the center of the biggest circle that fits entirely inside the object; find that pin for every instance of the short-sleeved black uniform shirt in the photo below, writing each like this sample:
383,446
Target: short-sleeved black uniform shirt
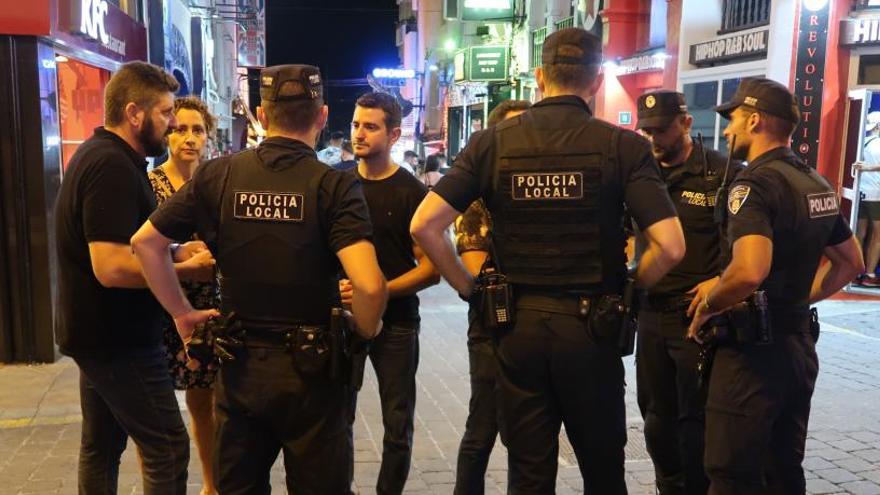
633,180
768,208
195,208
392,202
692,187
105,197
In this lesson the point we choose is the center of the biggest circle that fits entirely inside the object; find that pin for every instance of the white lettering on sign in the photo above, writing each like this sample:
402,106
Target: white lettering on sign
863,31
727,48
93,13
92,23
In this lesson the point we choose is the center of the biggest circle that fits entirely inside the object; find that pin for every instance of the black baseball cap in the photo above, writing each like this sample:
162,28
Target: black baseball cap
291,82
659,108
765,95
573,46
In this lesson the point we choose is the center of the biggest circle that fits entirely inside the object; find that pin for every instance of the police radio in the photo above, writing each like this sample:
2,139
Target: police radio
498,310
720,212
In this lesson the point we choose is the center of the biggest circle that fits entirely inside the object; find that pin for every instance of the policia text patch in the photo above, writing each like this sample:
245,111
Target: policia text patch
547,185
272,206
822,204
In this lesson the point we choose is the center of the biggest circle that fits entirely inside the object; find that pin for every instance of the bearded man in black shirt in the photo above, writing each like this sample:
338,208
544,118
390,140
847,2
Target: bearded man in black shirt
392,195
108,321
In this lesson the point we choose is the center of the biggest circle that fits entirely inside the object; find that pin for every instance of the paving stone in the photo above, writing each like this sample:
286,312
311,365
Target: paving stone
855,464
813,463
861,488
820,486
836,475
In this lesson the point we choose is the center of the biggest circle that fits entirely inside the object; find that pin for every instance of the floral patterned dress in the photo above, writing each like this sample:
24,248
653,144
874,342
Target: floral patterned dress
202,295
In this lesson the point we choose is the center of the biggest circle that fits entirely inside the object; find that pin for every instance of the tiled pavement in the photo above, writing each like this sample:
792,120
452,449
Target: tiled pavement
40,424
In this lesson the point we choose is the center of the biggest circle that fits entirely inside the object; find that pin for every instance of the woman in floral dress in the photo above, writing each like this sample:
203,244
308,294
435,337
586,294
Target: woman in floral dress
195,126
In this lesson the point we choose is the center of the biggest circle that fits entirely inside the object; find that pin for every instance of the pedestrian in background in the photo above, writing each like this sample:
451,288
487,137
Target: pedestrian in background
186,147
332,154
868,229
108,321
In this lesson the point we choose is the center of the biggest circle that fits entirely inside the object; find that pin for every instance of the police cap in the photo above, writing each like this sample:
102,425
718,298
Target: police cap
659,108
574,46
765,95
291,82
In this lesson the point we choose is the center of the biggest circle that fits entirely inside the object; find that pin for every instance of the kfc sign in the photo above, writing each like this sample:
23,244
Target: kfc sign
92,21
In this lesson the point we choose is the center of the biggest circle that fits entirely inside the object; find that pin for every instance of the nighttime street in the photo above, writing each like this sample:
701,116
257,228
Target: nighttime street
454,247
40,422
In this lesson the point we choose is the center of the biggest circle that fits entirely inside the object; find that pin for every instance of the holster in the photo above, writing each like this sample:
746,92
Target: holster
217,339
346,350
495,298
747,322
311,348
614,318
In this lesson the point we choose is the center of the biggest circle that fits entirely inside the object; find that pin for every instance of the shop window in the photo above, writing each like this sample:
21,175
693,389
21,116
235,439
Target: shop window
80,103
701,99
869,69
737,15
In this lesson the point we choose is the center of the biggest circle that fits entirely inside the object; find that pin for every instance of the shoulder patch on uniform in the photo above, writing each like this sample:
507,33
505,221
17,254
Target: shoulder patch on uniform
822,204
268,206
738,196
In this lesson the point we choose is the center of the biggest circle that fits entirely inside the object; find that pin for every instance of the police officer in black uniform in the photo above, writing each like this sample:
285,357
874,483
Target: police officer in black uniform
555,181
668,392
279,222
783,217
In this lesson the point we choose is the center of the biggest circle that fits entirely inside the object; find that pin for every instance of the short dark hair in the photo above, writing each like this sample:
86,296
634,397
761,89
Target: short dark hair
570,76
778,127
197,104
346,146
336,135
410,154
387,103
135,82
292,115
499,113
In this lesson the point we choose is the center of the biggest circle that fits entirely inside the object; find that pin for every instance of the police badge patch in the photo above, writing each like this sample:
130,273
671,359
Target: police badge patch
737,198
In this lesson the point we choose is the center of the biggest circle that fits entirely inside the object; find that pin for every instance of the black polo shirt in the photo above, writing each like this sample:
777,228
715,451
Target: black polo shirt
764,203
634,179
692,186
105,197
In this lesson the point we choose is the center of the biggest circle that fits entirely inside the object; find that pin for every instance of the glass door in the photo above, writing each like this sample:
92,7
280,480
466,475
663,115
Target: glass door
860,180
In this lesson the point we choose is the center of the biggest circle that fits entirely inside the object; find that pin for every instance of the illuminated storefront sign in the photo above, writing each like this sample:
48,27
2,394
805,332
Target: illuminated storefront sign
809,78
487,10
861,31
747,45
104,28
489,63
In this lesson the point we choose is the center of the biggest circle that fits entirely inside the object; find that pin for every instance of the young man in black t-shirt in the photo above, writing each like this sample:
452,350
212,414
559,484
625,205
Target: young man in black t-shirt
392,195
108,321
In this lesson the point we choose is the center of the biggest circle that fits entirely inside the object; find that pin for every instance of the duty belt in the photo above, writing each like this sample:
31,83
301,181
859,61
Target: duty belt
665,303
563,303
281,337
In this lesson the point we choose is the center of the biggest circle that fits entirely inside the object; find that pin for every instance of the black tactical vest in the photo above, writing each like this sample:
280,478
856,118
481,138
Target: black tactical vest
799,236
545,201
276,267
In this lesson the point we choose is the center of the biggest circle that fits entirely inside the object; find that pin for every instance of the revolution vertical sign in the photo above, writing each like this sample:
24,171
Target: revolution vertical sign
809,77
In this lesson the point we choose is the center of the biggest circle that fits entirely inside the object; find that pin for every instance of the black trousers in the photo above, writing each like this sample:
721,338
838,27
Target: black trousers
757,415
265,405
481,426
131,395
395,357
671,404
552,371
